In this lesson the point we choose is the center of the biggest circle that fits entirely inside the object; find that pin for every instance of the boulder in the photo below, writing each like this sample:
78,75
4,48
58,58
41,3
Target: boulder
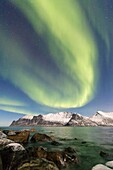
69,150
38,164
2,135
61,158
38,137
101,167
55,143
106,155
9,132
1,167
15,147
4,142
109,164
20,137
40,152
13,155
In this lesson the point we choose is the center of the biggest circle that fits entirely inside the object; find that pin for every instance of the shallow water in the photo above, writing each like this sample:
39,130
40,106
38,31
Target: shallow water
97,139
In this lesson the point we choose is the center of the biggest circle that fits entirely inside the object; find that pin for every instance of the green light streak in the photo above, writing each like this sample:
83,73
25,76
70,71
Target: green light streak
72,46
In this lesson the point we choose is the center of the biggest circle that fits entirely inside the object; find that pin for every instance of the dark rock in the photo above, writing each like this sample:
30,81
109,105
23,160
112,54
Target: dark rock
107,156
1,166
20,137
75,139
83,142
40,152
61,158
12,159
2,135
4,142
70,150
39,164
55,143
40,137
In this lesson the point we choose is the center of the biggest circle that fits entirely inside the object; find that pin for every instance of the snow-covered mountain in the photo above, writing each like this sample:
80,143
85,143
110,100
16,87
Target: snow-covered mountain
103,118
51,119
66,119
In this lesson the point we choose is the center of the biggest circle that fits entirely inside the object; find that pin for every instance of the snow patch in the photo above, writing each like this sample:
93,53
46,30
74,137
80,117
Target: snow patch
28,117
15,147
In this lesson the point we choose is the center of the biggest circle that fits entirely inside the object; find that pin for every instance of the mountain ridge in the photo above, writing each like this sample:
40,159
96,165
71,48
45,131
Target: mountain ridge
100,118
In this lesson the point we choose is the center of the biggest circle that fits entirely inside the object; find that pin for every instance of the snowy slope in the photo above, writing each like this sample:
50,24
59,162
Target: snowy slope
28,117
66,118
62,117
103,118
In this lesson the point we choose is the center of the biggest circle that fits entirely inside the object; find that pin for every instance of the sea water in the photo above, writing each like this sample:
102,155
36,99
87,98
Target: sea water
87,141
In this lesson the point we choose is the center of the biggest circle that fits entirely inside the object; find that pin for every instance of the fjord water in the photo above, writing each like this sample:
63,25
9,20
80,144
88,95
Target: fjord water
87,141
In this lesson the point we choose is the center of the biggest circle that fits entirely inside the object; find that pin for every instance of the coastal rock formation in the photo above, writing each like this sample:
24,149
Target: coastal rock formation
39,164
13,155
20,137
2,135
15,147
40,137
101,167
4,142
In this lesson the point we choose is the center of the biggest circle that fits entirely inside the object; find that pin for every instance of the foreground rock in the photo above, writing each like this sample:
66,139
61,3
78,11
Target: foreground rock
101,167
15,147
12,156
60,158
2,135
105,155
4,142
19,137
109,164
39,164
38,137
1,166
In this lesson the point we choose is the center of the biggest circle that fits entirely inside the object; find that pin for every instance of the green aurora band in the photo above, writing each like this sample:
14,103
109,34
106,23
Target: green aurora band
72,45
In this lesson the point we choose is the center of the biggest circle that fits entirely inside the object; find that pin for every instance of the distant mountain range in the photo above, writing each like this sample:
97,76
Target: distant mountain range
66,119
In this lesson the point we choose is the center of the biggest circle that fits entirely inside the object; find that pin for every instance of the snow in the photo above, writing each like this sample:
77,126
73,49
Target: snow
15,147
61,117
28,117
98,117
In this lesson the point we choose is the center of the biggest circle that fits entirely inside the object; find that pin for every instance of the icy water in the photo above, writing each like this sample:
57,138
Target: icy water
90,141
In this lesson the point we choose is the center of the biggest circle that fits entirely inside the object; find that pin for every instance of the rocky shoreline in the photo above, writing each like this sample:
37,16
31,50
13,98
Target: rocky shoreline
26,150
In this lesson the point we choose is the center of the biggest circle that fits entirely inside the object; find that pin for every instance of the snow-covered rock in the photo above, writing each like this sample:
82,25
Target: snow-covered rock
4,142
15,147
2,135
109,164
100,167
11,133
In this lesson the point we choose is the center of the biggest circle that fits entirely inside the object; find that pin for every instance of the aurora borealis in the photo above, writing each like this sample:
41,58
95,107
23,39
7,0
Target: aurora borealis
55,55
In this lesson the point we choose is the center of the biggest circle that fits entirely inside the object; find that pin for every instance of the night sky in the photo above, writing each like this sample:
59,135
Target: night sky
55,55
